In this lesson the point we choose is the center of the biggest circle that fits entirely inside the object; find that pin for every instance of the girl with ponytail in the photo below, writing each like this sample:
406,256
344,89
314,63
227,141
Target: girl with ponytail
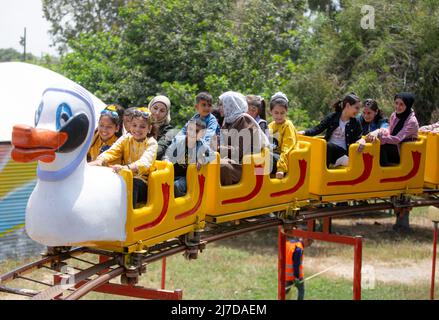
342,129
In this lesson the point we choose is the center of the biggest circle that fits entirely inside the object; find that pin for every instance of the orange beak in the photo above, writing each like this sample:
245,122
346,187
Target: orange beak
31,144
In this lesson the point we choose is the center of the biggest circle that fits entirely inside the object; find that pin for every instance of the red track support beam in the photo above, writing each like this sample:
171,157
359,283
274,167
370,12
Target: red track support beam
433,268
358,253
311,225
281,276
139,292
327,224
163,273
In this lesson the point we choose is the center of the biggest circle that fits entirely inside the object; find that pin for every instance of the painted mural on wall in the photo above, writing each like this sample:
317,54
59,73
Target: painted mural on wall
17,180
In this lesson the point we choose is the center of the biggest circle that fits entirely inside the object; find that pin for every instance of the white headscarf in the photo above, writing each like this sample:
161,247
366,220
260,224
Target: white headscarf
164,100
234,104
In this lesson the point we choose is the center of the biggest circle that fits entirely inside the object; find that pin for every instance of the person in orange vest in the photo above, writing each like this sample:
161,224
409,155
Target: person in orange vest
294,267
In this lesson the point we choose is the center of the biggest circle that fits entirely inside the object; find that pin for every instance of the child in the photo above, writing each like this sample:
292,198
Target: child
256,108
203,105
137,151
204,144
372,117
285,132
108,131
127,118
196,130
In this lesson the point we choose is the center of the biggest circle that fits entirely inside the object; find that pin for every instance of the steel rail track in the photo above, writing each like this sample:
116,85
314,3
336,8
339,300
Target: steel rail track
81,282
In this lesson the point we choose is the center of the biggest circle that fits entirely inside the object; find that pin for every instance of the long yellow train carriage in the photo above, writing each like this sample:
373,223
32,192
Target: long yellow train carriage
164,217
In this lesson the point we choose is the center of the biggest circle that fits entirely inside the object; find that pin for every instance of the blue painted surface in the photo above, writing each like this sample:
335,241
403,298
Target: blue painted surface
13,207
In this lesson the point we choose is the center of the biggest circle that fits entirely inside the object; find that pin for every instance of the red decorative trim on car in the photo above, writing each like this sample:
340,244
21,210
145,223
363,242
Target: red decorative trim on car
299,184
416,164
368,164
201,181
165,192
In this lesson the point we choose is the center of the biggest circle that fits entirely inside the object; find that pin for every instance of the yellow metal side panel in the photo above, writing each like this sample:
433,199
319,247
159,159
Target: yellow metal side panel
432,162
257,190
364,173
163,214
131,247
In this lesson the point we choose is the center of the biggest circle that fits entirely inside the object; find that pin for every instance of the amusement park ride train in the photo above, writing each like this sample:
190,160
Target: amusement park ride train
74,204
77,205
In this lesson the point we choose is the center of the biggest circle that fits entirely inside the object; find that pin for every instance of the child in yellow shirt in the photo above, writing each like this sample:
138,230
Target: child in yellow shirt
108,131
283,132
136,151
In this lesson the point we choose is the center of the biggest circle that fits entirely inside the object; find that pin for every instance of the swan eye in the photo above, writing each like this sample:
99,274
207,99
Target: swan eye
63,114
38,113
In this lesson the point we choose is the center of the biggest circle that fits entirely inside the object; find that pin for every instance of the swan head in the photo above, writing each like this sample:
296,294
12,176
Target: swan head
64,126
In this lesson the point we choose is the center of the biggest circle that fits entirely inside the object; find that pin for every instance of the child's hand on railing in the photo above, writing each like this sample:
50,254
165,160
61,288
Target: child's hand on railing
280,175
361,145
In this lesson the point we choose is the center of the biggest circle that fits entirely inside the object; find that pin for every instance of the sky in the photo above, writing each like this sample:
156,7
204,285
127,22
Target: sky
15,15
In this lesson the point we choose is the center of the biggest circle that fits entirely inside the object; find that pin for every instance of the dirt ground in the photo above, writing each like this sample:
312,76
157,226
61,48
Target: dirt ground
388,256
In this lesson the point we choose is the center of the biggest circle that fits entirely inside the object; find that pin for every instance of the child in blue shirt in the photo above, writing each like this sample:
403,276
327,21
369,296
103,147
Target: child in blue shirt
203,105
196,145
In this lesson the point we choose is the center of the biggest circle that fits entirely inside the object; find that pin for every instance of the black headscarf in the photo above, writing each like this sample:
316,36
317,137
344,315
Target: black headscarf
408,99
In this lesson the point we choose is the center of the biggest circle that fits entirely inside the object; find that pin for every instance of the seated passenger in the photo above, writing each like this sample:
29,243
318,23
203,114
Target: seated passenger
240,135
403,127
188,151
372,117
256,108
342,129
283,132
137,151
127,118
430,128
160,107
108,131
217,115
203,106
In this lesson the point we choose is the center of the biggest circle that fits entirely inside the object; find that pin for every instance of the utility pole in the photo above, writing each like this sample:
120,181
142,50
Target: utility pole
23,43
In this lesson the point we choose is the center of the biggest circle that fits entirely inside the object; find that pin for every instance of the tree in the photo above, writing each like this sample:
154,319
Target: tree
69,19
400,54
180,47
10,55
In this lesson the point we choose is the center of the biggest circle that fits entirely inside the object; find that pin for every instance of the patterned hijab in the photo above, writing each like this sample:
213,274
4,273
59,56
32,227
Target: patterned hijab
164,100
235,104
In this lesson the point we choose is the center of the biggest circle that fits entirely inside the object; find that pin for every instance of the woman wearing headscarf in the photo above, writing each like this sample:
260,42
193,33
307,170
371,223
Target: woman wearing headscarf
238,126
160,107
403,127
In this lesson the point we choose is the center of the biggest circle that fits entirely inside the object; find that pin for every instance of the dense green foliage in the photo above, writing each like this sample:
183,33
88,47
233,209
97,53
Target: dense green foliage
315,51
